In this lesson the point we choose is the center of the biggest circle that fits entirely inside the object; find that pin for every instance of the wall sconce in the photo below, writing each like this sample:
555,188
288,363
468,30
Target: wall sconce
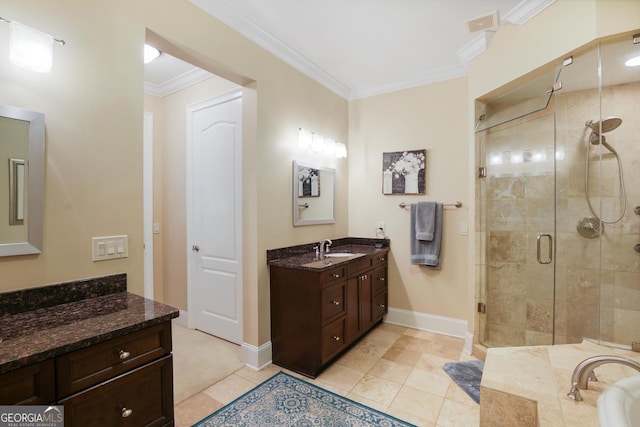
320,144
30,48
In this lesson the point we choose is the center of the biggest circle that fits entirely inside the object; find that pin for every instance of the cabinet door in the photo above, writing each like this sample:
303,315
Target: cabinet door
366,300
354,327
142,397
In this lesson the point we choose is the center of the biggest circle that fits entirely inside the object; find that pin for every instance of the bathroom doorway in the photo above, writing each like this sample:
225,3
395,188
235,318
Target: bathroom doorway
168,99
559,258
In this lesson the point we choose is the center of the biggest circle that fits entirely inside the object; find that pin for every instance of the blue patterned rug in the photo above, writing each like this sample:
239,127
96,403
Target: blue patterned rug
283,400
467,375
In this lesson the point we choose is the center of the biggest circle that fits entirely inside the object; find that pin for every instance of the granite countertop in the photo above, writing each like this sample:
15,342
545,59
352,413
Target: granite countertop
43,333
309,262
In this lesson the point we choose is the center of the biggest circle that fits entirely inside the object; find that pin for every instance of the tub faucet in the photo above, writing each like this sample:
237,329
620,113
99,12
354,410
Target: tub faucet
324,247
584,372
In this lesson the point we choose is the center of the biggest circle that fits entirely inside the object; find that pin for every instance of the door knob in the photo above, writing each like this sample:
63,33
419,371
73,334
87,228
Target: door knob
195,248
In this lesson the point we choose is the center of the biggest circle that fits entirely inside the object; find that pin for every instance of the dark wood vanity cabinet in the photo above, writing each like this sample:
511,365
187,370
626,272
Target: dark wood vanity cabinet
316,315
127,380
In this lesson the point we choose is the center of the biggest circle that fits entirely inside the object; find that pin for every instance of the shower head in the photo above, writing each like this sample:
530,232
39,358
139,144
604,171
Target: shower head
600,127
605,125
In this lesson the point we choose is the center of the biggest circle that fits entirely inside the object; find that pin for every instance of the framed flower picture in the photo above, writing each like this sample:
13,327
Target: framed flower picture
404,172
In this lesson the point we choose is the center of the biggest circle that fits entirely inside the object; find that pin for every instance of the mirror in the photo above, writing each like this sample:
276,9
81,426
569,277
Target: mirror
314,190
21,181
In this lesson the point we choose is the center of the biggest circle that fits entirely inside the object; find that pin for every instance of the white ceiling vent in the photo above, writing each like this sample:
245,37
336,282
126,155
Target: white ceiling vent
483,23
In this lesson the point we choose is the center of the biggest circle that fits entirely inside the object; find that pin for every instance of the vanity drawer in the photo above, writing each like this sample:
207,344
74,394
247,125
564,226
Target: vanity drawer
31,385
359,266
142,397
337,273
379,280
83,368
333,339
379,306
379,258
333,301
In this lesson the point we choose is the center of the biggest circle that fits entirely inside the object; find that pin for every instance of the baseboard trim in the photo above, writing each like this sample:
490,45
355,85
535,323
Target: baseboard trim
432,323
256,357
183,319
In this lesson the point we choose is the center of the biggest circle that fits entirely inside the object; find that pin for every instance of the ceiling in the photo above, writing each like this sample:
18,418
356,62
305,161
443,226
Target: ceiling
359,48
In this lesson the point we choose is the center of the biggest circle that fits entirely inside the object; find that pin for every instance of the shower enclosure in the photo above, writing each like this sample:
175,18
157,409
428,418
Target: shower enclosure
558,204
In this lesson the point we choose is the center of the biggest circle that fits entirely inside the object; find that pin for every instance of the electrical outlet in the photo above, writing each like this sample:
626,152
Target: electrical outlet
380,226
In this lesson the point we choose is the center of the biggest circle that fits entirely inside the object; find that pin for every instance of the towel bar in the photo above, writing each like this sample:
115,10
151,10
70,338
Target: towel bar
457,204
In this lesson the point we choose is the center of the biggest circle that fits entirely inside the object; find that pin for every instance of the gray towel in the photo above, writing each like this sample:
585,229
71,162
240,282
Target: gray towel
422,251
425,220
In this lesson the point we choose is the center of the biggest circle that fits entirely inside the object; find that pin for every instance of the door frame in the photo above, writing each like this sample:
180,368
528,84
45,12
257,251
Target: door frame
191,264
147,179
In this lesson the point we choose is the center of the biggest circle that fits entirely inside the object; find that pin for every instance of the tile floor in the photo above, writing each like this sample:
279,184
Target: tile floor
393,369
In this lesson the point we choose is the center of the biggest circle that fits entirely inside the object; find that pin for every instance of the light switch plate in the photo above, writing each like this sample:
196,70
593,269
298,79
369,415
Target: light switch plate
110,247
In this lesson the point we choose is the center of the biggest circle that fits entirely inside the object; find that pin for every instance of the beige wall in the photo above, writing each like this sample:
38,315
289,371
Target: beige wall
432,117
92,102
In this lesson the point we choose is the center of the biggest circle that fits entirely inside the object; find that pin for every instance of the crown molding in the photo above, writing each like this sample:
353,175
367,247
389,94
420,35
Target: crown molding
434,76
526,10
224,11
475,47
177,83
519,15
231,16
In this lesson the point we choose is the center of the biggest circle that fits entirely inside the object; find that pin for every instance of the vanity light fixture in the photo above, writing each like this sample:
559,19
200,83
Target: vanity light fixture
150,53
633,62
30,48
320,144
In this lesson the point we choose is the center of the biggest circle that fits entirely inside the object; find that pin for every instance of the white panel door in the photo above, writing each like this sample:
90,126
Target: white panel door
214,215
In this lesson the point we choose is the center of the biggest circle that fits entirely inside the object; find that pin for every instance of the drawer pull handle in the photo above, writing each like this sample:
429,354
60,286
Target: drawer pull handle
381,279
335,302
381,258
126,412
336,338
124,355
381,305
335,275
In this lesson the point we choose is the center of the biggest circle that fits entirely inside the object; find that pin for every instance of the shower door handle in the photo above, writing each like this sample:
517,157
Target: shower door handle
539,249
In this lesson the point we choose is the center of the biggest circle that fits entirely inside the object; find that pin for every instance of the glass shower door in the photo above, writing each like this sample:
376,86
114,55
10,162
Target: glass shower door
518,216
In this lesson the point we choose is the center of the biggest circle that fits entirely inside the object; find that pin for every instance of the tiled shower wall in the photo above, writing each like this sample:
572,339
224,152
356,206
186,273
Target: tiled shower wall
596,291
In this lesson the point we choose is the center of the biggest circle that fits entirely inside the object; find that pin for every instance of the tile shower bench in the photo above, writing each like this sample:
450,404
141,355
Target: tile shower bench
91,347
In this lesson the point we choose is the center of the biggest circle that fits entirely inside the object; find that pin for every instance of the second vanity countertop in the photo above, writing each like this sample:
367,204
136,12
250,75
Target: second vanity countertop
43,333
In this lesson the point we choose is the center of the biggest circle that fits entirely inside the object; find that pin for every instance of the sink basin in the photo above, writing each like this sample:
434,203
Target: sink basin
619,405
340,254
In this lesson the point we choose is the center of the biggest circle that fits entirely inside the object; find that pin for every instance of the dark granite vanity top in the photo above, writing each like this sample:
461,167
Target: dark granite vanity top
42,323
302,257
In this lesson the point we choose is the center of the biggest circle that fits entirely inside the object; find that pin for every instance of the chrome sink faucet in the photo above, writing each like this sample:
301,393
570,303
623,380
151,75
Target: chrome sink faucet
584,372
324,247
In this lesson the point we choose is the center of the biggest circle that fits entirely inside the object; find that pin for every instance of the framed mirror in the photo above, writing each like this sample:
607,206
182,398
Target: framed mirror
21,181
314,190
